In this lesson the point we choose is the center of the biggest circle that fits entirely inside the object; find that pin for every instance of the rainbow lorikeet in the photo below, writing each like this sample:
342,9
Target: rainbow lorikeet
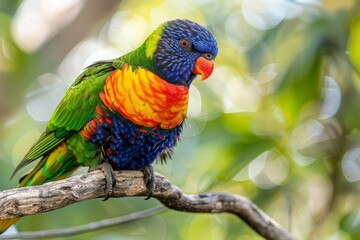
124,113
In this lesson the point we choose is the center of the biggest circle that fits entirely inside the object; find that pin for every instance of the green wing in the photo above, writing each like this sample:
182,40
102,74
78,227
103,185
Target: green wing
74,111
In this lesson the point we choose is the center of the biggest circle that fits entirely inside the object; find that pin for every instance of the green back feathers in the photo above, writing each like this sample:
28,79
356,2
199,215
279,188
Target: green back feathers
73,112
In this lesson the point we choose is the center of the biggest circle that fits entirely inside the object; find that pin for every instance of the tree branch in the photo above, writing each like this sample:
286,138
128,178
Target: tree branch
54,195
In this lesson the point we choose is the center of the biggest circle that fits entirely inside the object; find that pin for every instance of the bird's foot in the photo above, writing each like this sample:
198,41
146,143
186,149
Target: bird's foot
109,177
149,178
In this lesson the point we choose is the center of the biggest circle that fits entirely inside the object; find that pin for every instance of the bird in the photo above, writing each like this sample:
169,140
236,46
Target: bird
124,113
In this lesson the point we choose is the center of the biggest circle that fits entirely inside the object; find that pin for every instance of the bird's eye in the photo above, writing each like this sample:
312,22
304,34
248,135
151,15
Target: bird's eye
208,56
184,43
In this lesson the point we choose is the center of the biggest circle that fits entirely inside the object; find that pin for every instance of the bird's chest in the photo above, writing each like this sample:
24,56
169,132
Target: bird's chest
145,99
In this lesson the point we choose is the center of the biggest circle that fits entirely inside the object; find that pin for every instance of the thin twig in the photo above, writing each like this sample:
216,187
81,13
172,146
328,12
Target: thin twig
63,232
37,199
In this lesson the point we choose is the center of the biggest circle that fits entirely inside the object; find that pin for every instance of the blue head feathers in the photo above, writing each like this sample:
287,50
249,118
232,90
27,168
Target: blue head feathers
181,43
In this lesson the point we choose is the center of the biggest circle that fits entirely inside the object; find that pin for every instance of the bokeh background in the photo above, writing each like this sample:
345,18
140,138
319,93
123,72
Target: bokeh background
278,121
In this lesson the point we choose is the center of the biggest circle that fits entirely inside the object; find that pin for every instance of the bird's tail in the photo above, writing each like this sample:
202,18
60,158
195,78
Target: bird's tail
56,165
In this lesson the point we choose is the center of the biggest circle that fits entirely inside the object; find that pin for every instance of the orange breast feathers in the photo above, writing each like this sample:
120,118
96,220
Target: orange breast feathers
144,98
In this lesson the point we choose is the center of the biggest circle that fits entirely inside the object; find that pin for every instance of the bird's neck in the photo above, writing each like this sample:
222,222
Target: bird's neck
138,58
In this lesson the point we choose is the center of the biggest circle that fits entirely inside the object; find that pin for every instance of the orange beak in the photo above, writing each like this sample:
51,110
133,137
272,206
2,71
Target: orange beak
203,67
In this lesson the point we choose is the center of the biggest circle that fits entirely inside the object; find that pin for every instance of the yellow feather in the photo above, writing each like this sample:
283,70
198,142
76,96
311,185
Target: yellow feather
138,88
127,79
136,102
110,95
38,178
129,107
152,41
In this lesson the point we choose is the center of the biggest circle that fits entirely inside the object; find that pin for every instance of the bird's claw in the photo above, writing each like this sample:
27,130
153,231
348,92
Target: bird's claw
109,177
149,178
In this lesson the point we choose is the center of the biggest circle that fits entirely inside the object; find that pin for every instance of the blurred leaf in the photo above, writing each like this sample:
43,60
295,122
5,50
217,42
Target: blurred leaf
350,223
5,23
239,155
9,7
302,81
350,110
354,40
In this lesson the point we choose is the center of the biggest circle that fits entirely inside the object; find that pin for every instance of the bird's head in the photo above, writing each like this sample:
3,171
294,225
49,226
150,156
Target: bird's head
180,50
